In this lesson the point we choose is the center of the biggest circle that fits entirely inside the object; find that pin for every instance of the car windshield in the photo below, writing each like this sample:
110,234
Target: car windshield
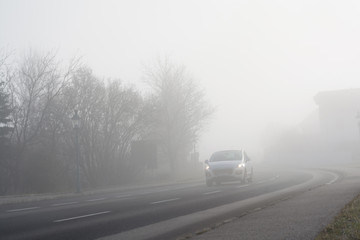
226,156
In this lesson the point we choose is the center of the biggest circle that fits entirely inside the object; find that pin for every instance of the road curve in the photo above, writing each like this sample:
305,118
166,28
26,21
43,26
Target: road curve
299,217
298,182
159,212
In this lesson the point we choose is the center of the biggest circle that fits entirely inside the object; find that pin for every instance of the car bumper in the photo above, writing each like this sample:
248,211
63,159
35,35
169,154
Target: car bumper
224,174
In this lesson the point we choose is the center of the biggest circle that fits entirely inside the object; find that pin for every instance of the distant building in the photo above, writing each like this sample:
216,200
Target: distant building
338,122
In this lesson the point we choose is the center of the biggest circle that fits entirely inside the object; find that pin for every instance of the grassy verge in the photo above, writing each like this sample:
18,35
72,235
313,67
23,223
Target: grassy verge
346,225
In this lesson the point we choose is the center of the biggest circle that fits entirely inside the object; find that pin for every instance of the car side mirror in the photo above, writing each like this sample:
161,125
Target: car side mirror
207,161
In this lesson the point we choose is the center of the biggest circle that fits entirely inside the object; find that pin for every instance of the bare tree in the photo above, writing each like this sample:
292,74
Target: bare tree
5,123
43,95
125,120
181,109
112,115
37,82
5,108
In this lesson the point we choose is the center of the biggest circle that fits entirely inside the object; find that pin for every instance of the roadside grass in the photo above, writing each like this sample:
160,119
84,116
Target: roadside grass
346,224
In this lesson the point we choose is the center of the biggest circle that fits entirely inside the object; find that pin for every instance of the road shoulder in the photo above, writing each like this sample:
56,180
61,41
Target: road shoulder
300,217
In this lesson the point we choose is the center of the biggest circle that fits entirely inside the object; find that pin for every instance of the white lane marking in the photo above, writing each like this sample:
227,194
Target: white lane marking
96,199
170,189
167,200
162,190
334,180
270,179
63,204
274,178
22,209
241,186
83,216
208,193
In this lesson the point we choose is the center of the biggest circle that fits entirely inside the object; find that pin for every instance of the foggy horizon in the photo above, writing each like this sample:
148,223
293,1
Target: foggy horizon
179,119
259,63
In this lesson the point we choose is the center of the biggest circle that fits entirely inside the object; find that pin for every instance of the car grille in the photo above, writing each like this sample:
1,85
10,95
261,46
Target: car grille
223,171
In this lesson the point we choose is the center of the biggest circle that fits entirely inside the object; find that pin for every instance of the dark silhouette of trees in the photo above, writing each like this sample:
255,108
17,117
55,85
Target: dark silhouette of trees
37,82
5,111
38,96
112,116
5,123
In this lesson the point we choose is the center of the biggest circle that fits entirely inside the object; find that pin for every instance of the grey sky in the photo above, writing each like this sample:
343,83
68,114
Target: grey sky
258,61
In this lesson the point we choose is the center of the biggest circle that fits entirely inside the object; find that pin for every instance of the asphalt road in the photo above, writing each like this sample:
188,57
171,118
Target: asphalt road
157,212
297,217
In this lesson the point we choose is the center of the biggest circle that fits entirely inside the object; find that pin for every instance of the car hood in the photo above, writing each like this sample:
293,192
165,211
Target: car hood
224,164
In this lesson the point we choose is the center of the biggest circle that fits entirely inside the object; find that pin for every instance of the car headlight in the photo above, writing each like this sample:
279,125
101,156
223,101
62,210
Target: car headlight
241,165
207,167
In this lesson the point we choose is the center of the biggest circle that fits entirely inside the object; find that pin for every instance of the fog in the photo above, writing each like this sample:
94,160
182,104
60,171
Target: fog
259,63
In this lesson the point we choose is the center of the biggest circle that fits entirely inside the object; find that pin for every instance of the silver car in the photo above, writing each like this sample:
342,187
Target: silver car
228,165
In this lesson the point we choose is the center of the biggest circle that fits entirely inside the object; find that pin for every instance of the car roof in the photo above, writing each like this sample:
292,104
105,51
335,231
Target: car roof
230,150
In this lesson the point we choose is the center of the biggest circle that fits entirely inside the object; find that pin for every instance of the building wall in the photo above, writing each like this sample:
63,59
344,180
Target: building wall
338,121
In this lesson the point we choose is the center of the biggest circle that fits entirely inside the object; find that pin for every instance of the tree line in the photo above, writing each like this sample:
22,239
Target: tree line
38,96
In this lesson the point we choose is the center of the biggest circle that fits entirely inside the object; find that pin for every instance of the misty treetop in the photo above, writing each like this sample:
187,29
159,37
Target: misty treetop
38,96
180,108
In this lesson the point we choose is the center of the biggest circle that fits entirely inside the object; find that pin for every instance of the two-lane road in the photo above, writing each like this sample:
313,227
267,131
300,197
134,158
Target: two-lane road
141,213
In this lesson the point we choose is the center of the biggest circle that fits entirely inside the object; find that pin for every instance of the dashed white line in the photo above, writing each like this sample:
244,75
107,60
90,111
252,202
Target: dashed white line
22,209
83,216
208,193
274,178
167,200
96,199
270,179
334,180
63,204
